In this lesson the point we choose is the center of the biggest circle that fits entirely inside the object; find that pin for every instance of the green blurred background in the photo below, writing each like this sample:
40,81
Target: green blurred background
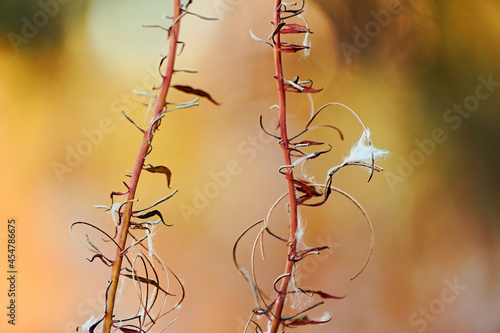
424,76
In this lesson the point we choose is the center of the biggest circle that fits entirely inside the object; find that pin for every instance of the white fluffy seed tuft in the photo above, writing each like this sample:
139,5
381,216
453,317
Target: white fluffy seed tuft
363,151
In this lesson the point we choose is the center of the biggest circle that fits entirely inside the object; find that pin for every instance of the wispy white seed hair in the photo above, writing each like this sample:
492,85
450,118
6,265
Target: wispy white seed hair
363,150
86,327
114,212
299,234
325,317
119,292
310,178
150,235
306,42
311,103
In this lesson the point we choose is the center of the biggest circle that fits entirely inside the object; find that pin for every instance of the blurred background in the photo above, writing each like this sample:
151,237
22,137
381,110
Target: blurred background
423,75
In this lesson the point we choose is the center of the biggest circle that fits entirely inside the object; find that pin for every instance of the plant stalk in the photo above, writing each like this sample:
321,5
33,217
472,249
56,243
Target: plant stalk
173,36
292,199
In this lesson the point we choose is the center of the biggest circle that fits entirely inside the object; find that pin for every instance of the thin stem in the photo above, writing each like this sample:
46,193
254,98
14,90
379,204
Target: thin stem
292,240
139,163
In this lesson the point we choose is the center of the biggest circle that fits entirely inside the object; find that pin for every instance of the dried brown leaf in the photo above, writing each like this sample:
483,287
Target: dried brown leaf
198,92
160,169
294,29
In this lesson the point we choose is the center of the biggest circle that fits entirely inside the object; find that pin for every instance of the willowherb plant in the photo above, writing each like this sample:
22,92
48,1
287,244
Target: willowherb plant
276,313
134,255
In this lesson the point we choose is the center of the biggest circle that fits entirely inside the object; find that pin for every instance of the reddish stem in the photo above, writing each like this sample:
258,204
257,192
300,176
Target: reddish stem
139,163
292,240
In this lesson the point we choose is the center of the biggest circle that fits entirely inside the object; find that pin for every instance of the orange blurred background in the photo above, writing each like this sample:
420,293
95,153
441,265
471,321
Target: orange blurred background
423,76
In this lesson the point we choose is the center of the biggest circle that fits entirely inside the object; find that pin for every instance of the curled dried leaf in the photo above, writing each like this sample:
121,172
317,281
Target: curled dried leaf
150,214
309,191
198,92
325,295
302,89
114,193
305,143
147,281
303,253
160,169
294,29
302,321
93,327
291,48
130,330
300,86
105,260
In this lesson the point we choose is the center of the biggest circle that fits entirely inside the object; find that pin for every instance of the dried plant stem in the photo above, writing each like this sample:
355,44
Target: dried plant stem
292,198
139,164
300,191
